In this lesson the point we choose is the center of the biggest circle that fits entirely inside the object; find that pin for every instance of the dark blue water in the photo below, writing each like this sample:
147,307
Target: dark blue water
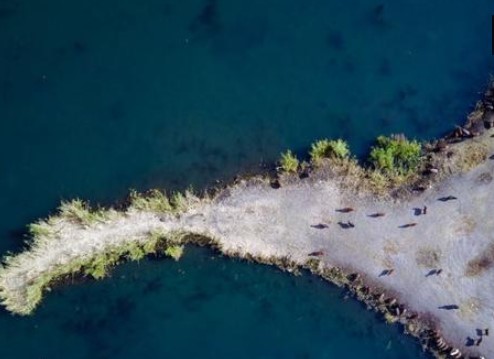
202,307
97,98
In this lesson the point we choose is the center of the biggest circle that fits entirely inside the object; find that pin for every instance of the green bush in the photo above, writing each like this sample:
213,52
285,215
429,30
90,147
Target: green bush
80,212
289,162
40,229
179,201
97,267
395,155
155,238
153,201
329,149
175,251
135,251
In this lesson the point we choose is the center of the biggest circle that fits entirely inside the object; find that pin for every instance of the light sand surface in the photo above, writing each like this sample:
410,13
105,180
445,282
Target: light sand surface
259,220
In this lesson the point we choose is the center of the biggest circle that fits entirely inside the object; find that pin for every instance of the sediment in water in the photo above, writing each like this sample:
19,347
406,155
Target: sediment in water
274,221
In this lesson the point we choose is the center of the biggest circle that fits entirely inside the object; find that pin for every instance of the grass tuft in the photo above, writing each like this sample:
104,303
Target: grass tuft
328,149
179,201
135,252
289,162
40,229
152,201
79,212
175,251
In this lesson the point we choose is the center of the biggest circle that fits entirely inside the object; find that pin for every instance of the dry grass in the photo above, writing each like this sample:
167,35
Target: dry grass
428,257
388,262
358,179
481,263
484,178
472,156
467,155
465,226
391,247
470,307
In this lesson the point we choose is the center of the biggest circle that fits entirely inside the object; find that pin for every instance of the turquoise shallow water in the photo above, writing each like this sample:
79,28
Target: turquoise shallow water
99,98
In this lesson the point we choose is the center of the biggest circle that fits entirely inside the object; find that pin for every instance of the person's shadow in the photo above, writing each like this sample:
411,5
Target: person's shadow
385,272
447,198
431,272
346,225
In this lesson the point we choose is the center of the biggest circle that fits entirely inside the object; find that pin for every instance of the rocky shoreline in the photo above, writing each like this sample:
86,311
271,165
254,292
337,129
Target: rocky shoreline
379,242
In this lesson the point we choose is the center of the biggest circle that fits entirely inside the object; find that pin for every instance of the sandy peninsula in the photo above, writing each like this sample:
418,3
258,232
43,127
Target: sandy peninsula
423,253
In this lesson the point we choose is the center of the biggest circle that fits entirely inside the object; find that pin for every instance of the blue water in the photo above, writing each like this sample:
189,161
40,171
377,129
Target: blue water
97,98
202,307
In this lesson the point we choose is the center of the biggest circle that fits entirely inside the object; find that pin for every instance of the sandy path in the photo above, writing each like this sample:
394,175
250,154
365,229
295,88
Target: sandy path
266,222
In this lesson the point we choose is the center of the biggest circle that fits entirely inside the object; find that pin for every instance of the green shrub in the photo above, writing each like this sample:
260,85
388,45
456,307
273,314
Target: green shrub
153,201
135,252
40,229
329,149
395,155
80,212
179,201
175,251
289,162
34,294
154,239
98,270
97,267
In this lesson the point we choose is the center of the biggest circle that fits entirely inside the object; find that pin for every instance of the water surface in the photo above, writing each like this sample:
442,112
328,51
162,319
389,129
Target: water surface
97,98
204,306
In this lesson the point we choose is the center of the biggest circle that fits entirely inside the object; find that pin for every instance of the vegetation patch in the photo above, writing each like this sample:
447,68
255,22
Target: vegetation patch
471,156
175,251
158,202
79,212
154,200
428,257
395,155
289,162
95,265
40,228
484,178
481,263
328,149
378,182
394,162
179,201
